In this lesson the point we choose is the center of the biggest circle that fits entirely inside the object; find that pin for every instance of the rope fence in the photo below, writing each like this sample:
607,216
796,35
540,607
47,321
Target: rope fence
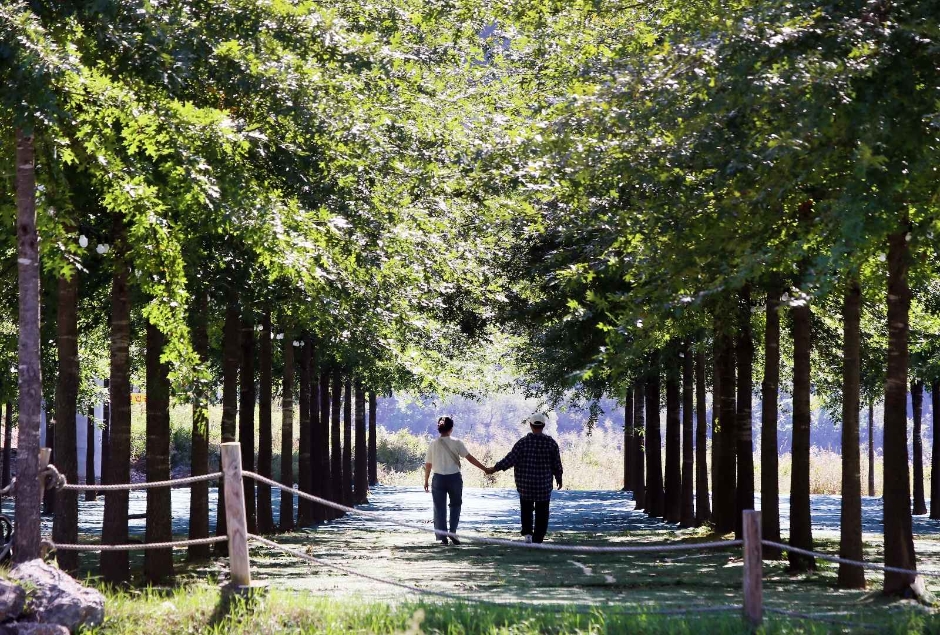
237,537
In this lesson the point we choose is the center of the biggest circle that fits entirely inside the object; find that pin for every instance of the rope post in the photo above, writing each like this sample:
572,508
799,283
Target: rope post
236,520
753,569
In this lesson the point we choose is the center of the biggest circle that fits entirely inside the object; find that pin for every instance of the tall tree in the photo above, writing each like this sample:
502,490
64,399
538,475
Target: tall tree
801,531
725,490
917,407
639,473
628,439
158,563
265,437
318,459
850,541
361,490
655,495
114,564
373,443
327,487
29,376
246,418
673,484
231,354
336,444
871,451
287,437
304,471
770,388
702,504
199,459
347,443
688,453
935,454
65,528
744,351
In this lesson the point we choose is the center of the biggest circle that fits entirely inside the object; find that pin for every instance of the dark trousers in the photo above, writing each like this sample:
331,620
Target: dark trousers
541,518
442,486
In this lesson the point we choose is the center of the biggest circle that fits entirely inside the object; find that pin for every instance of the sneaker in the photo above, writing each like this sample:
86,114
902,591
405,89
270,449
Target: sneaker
454,541
444,541
528,539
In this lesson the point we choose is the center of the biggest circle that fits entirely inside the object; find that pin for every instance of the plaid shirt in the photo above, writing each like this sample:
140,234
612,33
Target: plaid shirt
536,459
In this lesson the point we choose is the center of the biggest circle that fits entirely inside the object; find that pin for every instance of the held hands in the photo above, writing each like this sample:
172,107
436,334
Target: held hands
559,484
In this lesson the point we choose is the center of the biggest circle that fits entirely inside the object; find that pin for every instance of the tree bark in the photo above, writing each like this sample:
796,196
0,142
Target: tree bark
717,361
871,450
65,528
318,458
850,545
27,536
246,420
327,486
158,563
265,438
899,537
7,448
725,495
935,455
639,472
304,472
628,440
48,496
231,353
106,433
688,455
744,350
287,437
702,504
801,531
673,484
91,494
347,443
199,460
655,495
373,443
770,391
114,564
917,406
361,493
336,447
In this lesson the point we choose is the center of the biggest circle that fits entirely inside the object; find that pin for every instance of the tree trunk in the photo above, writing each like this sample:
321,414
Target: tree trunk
361,471
717,361
317,456
246,420
90,495
850,545
655,496
917,405
48,496
265,439
744,350
65,528
327,486
336,447
373,444
688,456
702,505
304,472
770,389
628,440
899,537
106,433
347,443
871,451
639,472
801,531
725,495
231,353
287,436
27,536
158,563
114,564
199,459
935,455
673,485
7,448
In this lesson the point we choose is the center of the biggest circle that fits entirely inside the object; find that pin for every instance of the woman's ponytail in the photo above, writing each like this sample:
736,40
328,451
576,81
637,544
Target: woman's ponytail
445,424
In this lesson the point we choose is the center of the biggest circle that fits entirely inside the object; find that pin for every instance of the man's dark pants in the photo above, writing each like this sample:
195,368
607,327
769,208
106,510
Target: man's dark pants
541,518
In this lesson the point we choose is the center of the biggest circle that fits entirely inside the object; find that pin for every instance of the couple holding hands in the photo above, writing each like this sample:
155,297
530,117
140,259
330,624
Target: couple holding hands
536,460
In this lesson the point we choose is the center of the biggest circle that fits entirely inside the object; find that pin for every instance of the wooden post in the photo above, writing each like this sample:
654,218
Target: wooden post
753,564
236,519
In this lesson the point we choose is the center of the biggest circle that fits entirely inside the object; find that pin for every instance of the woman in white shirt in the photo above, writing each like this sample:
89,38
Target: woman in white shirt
443,458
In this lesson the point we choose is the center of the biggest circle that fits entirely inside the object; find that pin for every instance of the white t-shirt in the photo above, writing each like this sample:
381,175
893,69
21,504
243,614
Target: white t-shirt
444,455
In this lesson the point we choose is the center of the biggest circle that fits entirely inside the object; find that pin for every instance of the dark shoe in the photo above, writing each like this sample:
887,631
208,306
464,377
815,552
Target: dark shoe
454,541
444,541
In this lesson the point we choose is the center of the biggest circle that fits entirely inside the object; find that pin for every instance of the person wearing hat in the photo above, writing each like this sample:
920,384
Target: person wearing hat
537,462
443,459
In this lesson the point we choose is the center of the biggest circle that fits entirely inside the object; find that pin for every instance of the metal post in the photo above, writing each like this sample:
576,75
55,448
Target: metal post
753,568
236,519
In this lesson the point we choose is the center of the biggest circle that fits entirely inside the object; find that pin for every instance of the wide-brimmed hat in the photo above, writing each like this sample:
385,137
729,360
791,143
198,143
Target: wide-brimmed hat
537,419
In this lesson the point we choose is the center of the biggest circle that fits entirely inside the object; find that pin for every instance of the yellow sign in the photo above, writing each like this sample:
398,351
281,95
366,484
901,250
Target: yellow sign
138,397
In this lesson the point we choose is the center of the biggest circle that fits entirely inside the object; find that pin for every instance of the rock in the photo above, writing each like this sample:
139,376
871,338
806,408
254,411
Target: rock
34,628
54,597
12,600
